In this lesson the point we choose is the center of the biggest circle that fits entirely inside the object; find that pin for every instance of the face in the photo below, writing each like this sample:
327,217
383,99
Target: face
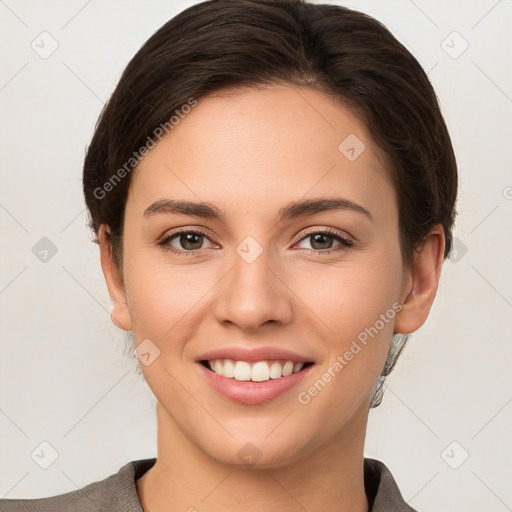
258,280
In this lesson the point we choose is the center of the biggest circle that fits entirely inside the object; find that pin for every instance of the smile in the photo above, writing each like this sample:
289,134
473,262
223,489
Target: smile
257,371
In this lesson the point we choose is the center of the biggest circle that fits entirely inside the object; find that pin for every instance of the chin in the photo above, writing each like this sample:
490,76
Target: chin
256,450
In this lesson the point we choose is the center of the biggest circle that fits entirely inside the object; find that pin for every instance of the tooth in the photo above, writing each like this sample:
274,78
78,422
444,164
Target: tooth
298,367
229,369
260,371
242,371
287,368
276,370
217,367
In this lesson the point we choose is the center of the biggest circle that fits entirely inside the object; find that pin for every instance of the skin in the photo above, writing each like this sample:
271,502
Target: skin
250,152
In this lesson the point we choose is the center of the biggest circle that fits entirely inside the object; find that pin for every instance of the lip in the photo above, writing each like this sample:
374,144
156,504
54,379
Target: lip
252,355
248,392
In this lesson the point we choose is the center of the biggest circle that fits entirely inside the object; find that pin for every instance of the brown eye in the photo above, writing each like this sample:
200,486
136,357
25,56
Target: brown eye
184,242
191,241
325,241
321,241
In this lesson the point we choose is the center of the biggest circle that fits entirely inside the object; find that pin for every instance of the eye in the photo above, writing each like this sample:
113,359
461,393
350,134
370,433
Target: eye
189,241
322,241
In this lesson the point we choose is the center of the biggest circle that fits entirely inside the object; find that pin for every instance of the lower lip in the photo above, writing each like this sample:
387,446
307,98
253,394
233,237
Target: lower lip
249,392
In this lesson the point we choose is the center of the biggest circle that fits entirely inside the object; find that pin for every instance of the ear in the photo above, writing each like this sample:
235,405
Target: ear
120,314
421,282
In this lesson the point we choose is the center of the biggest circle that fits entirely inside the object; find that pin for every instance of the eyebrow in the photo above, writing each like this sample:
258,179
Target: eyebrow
295,209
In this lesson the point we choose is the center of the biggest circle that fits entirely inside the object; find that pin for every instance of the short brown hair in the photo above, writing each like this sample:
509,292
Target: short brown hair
344,53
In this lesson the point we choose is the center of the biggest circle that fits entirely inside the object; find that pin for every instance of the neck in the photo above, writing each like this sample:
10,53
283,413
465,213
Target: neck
184,477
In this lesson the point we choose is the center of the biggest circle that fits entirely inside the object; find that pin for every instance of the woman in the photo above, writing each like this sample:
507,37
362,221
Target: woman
272,186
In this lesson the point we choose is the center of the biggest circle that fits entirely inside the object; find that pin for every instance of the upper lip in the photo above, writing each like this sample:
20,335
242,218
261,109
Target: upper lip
254,354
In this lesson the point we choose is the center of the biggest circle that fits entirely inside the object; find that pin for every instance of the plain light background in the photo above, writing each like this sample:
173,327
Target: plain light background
65,379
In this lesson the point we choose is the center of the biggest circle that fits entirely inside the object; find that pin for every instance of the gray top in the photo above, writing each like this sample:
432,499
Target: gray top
118,493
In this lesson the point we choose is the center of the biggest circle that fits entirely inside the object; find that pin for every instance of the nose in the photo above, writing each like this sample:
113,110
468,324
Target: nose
254,293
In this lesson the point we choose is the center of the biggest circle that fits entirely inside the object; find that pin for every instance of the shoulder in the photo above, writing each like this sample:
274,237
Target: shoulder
118,492
381,488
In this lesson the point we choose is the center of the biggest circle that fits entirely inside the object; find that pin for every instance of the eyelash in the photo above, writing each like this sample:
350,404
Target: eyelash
345,243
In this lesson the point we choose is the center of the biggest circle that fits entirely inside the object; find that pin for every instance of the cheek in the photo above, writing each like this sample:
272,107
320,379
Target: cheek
354,310
163,298
351,296
355,306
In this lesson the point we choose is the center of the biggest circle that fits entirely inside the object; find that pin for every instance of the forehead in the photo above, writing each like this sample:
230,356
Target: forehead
255,148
